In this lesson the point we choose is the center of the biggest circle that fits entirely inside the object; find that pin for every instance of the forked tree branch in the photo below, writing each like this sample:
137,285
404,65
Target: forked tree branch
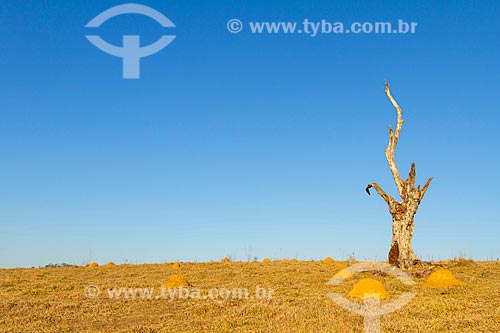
406,188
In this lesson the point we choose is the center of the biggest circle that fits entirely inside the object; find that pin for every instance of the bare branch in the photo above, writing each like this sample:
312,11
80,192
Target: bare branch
398,109
393,140
426,186
409,183
412,174
387,197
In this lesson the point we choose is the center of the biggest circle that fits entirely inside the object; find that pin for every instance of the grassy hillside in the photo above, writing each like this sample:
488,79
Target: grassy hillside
59,299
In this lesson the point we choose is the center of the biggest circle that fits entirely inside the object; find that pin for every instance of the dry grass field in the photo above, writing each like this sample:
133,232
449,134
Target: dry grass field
58,299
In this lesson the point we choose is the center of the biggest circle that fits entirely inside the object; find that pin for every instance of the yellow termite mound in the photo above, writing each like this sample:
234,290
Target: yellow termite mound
177,281
328,260
441,278
368,288
343,274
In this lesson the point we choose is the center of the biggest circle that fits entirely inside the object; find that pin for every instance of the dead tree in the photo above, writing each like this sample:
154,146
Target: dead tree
403,212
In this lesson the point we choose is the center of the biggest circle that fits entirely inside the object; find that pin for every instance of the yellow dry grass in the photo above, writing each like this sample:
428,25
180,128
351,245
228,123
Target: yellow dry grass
176,265
226,260
266,260
368,288
56,302
110,264
340,264
93,264
442,278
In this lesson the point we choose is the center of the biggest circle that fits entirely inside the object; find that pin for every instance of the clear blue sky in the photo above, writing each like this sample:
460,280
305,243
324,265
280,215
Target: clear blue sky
244,144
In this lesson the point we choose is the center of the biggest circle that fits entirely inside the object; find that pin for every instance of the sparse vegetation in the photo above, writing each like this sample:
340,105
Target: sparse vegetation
59,265
54,301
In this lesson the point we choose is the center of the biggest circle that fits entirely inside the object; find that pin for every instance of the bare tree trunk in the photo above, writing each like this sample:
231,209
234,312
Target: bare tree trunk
403,212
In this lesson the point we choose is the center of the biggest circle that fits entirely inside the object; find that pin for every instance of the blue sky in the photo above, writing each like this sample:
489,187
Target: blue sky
243,144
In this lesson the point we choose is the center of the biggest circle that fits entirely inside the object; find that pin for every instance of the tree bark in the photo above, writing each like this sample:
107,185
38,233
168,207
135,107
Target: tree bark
403,212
